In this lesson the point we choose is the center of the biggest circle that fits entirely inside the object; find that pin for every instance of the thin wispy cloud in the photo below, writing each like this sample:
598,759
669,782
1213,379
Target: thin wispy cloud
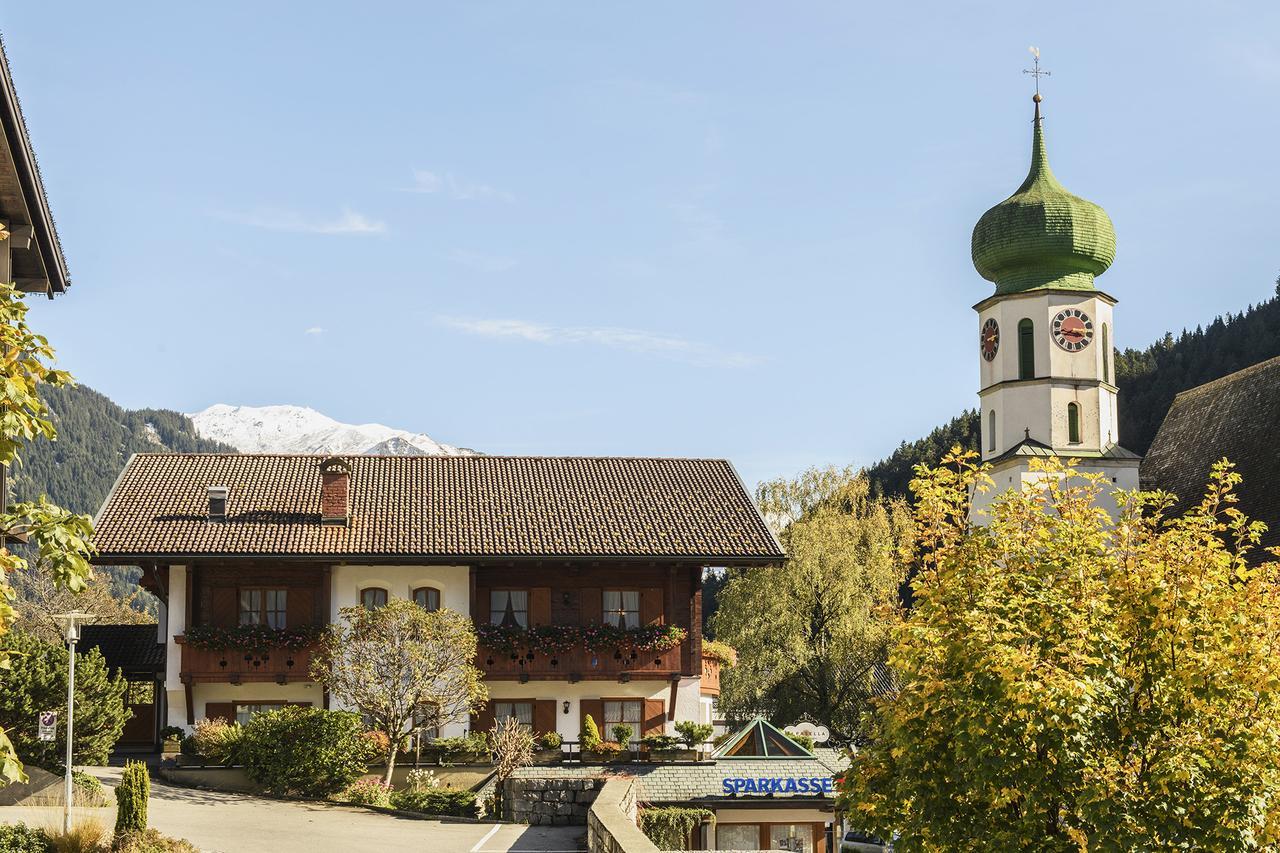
348,223
455,187
612,337
315,331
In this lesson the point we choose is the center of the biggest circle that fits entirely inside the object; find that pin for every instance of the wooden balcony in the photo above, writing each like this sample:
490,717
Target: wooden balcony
710,677
579,663
235,666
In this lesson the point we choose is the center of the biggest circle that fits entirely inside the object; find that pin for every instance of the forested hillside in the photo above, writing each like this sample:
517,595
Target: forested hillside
95,438
1148,379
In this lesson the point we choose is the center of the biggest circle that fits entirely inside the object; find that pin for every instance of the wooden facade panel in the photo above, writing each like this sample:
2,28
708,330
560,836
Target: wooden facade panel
223,607
540,605
302,606
651,609
592,605
482,718
225,710
544,716
655,717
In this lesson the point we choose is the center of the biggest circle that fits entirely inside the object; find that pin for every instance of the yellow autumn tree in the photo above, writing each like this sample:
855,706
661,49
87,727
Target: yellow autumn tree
1074,682
60,541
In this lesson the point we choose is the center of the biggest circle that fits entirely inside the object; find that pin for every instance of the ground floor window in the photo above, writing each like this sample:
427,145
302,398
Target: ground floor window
245,713
791,836
737,836
521,712
623,712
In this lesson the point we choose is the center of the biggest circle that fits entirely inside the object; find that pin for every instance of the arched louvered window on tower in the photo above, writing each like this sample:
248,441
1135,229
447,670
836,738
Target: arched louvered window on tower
1073,423
991,430
1026,349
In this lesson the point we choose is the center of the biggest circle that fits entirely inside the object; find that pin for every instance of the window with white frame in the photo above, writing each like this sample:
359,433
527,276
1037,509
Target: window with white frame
509,608
623,711
621,607
521,712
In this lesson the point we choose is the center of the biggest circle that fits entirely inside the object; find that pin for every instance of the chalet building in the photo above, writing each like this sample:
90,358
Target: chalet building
228,540
1233,418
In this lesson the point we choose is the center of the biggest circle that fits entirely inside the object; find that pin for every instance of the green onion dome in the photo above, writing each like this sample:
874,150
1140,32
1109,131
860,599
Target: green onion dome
1042,235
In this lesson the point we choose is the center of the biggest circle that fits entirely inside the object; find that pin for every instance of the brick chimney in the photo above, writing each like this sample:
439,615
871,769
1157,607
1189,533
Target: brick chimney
335,490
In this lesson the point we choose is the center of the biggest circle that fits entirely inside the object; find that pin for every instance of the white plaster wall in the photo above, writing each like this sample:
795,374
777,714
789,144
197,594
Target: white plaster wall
175,694
688,701
570,725
1119,475
256,691
454,583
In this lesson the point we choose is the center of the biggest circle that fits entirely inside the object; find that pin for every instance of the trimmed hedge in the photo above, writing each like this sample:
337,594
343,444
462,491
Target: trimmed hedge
304,751
441,802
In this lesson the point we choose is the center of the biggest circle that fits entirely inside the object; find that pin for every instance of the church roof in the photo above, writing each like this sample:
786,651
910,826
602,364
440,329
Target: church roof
1236,417
1043,236
1029,447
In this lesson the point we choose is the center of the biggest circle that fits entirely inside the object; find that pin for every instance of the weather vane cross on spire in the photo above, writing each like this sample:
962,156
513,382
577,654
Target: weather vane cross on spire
1035,71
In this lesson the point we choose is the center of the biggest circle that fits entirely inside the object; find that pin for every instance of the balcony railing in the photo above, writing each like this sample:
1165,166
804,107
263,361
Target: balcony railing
580,663
237,665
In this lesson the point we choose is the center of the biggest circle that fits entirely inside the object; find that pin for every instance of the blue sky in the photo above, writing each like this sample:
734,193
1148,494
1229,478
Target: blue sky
726,229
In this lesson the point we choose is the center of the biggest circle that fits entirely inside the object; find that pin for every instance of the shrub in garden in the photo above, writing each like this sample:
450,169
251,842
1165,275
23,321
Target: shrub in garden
590,734
669,828
694,734
85,836
131,798
367,792
379,742
216,739
304,751
151,841
440,801
88,790
472,745
422,779
21,838
658,743
550,740
172,733
37,681
622,734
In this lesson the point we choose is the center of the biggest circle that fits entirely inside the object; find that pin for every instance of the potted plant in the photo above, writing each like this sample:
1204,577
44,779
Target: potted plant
547,748
171,740
665,748
694,735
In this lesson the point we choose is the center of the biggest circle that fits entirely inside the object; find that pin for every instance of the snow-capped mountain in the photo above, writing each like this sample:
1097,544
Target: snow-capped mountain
298,429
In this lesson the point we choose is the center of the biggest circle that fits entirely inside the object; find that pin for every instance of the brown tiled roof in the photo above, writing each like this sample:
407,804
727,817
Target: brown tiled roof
1236,417
437,506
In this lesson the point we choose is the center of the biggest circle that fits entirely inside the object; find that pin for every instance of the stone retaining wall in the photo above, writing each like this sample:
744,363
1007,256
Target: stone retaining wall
611,821
559,802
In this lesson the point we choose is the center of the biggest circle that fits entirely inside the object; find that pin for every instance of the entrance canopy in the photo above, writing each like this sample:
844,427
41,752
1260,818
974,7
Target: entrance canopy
759,739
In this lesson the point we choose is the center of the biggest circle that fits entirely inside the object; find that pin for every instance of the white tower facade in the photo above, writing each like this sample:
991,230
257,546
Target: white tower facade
1046,337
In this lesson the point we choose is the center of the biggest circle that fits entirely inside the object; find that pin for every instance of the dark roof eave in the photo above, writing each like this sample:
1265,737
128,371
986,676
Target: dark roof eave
28,170
718,561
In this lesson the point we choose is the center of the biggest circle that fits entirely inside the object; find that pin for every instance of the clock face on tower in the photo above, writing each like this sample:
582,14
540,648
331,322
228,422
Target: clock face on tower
1072,330
989,340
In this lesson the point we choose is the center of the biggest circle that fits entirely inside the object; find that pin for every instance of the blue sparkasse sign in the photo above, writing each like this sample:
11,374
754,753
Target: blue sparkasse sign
780,785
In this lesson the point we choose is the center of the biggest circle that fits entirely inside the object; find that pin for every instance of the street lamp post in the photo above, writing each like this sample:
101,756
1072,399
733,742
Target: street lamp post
70,624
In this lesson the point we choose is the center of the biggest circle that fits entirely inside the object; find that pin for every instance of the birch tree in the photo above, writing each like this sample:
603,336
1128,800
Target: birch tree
403,667
812,632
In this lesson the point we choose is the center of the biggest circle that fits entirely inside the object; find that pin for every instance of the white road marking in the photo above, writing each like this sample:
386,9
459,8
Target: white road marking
489,835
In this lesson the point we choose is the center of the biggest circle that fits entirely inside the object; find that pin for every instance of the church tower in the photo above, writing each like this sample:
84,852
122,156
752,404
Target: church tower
1046,339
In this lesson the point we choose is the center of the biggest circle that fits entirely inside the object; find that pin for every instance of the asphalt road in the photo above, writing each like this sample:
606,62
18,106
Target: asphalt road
218,822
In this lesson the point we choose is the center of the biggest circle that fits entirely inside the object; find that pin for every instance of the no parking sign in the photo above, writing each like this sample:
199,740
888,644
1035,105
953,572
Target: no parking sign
48,723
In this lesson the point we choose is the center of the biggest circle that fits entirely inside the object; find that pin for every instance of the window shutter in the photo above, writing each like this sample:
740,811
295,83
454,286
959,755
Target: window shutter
544,716
482,718
225,710
540,606
481,616
655,716
651,606
301,606
224,607
591,607
594,708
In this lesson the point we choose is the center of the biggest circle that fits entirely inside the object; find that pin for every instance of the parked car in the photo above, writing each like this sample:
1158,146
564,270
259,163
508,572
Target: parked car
864,842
